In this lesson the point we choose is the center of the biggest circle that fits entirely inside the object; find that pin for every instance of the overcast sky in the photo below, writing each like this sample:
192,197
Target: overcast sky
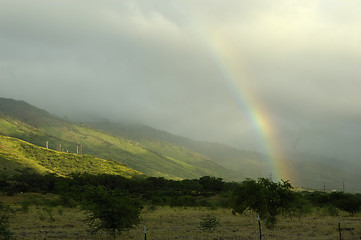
157,62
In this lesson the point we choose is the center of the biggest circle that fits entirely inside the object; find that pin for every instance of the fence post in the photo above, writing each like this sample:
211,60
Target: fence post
259,227
339,227
145,232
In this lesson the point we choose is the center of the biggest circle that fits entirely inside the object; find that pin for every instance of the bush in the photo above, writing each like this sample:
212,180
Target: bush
329,210
346,202
5,212
111,211
300,207
209,223
330,202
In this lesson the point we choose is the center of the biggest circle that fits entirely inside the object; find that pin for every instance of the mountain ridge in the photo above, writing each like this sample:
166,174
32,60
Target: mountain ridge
161,154
249,164
100,144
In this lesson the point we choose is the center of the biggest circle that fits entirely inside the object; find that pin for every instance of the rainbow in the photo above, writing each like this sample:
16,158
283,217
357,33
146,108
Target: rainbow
238,83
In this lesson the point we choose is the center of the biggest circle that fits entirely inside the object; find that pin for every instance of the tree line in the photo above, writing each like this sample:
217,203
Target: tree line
114,203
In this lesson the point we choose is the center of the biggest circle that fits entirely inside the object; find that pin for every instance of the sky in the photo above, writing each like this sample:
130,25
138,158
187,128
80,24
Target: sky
245,73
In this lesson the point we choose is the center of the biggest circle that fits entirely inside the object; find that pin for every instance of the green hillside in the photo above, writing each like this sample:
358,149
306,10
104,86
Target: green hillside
158,153
245,163
16,155
38,127
310,171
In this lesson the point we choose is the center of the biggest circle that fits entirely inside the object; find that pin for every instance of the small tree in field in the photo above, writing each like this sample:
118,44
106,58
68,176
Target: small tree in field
111,211
264,197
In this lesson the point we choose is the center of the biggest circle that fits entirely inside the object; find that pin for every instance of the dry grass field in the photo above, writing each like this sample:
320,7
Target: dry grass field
179,223
44,222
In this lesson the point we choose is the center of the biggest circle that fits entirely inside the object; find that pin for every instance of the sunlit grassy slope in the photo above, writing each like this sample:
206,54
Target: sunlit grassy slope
15,155
38,127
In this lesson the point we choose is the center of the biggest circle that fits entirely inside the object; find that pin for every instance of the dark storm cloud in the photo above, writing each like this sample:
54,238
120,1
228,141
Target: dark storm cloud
151,61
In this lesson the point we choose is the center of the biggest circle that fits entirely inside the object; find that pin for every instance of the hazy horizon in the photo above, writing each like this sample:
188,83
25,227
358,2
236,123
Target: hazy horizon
194,68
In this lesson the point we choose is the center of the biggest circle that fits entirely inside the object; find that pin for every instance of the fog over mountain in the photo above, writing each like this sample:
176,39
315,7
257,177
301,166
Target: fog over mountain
156,62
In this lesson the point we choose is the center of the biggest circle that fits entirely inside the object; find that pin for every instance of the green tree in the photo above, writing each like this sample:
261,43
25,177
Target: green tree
266,198
111,210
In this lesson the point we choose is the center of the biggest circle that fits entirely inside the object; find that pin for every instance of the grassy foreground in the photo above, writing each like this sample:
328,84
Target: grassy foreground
180,223
41,221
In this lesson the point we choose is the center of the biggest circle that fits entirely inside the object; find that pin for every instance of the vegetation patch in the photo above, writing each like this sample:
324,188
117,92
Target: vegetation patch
201,208
209,223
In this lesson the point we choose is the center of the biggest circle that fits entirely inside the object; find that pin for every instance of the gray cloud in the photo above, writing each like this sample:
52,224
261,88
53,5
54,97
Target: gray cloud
154,61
